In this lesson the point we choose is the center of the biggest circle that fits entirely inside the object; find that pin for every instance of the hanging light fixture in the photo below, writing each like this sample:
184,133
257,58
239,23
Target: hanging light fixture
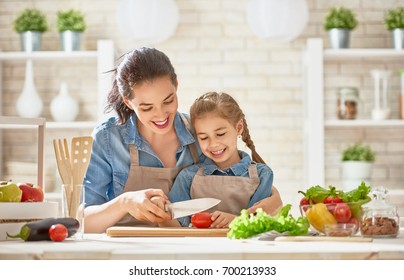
150,21
277,20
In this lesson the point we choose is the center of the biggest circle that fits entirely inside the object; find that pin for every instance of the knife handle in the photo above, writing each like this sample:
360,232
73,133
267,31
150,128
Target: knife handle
167,208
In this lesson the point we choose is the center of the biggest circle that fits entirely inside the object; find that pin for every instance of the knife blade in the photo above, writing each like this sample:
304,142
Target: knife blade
190,207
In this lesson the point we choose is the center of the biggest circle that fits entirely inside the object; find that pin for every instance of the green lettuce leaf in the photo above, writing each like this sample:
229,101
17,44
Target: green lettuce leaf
247,225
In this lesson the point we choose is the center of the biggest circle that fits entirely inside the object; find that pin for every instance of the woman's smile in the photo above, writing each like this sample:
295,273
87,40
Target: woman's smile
161,124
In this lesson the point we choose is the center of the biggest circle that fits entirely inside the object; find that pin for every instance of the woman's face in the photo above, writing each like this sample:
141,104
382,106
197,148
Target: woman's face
218,139
155,104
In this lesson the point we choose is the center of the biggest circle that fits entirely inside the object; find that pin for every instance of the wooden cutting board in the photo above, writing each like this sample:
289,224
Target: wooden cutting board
323,238
165,232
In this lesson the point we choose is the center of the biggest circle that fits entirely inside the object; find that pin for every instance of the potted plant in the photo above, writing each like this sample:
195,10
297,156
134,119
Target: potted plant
71,25
394,22
357,161
338,23
30,24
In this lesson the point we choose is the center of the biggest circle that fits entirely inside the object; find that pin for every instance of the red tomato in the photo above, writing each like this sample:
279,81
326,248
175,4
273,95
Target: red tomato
201,220
342,212
304,201
331,202
329,199
58,232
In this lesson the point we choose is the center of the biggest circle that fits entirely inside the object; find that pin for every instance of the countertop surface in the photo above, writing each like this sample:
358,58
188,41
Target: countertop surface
103,247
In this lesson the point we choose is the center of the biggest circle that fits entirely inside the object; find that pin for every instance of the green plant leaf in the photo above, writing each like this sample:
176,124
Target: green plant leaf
358,152
30,20
340,17
394,18
71,20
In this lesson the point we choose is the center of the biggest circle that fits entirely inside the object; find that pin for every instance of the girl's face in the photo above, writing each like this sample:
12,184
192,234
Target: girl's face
218,139
155,104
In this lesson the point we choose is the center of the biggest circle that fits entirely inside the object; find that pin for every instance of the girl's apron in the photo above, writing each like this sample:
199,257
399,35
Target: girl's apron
143,177
235,192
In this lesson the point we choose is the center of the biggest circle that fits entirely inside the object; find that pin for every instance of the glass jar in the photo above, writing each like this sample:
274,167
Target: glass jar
347,103
380,218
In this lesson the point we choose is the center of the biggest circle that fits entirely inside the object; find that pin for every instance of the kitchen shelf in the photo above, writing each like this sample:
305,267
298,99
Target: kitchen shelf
338,54
105,61
364,123
71,125
46,55
315,56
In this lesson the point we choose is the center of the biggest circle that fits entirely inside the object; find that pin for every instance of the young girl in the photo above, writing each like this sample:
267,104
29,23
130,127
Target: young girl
227,173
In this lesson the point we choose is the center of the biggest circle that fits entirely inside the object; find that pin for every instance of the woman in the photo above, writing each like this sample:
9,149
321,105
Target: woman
137,154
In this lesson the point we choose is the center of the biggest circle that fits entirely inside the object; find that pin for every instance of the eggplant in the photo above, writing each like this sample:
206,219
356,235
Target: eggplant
39,230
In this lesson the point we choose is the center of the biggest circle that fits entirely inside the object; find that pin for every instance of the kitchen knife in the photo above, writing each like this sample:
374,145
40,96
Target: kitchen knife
190,207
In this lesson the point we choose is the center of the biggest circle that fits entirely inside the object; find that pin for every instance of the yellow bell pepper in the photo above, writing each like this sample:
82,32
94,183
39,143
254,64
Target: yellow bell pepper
318,216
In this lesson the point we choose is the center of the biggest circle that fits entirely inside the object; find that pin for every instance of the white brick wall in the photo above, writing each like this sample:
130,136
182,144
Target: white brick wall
214,49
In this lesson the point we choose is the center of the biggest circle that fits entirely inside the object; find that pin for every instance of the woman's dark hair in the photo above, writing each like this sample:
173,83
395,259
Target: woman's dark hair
227,108
138,66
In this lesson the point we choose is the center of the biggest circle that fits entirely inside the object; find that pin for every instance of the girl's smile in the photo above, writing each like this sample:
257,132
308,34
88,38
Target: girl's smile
218,139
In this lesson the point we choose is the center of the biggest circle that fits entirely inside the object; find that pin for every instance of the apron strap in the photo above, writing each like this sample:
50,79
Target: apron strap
134,155
200,172
253,172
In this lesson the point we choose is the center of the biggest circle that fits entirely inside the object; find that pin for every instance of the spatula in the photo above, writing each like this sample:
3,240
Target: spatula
80,158
65,171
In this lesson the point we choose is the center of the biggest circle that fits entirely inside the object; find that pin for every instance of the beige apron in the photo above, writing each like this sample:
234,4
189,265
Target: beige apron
143,177
235,192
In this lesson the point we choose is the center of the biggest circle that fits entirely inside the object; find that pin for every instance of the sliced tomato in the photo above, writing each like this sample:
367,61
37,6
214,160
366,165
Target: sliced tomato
201,220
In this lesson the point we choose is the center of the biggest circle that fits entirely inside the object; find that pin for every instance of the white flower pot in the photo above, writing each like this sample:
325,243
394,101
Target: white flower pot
70,40
339,38
30,41
398,38
354,172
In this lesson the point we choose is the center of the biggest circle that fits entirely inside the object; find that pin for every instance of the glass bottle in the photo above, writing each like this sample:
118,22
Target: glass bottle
347,103
380,218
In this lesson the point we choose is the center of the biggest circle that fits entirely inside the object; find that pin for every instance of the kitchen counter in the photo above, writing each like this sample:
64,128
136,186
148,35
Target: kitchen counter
102,247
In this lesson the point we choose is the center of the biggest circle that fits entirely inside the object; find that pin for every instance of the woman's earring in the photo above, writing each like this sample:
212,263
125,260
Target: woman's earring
239,136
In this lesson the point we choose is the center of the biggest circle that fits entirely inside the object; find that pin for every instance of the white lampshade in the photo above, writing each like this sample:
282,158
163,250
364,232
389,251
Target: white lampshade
152,21
277,20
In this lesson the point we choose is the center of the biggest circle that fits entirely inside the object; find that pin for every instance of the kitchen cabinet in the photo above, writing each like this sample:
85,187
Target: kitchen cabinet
104,56
315,123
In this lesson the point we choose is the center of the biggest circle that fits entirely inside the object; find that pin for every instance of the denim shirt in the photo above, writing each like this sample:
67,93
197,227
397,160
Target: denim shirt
108,170
181,189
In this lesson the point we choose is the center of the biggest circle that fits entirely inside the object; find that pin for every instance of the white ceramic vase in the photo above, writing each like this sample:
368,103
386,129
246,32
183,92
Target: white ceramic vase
354,172
29,104
64,107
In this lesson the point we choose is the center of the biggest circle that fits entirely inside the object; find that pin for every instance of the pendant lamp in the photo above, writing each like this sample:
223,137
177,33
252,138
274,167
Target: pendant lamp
150,21
277,20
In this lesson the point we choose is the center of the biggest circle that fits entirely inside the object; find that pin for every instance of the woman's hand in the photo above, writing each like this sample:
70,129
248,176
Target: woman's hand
270,205
146,205
221,219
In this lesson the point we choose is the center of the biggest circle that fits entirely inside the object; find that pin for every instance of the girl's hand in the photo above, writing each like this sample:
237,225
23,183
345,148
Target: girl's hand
139,204
270,205
221,219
